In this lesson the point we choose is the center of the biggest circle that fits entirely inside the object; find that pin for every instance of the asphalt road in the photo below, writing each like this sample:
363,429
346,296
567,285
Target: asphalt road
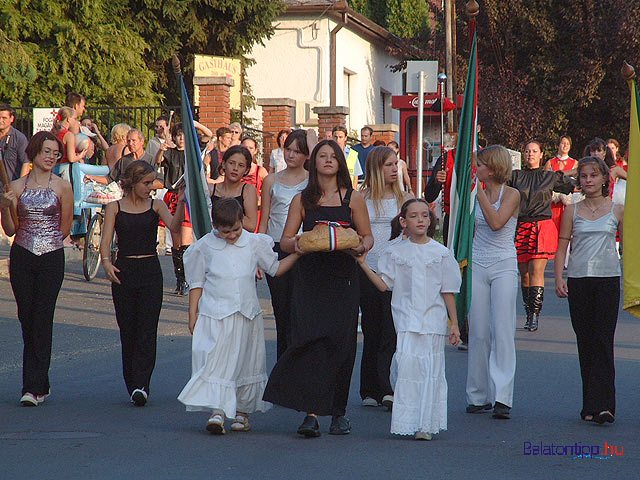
88,430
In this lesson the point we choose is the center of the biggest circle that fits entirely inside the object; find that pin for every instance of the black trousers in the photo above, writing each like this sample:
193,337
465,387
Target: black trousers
36,282
281,289
138,301
379,340
593,305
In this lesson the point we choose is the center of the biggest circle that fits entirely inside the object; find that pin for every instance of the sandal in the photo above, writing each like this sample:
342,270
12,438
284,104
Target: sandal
215,424
241,423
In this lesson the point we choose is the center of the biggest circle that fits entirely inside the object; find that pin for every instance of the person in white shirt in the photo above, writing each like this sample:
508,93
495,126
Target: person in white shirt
492,316
225,319
423,276
277,162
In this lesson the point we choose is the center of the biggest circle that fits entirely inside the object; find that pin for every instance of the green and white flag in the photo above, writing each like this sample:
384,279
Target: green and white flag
463,185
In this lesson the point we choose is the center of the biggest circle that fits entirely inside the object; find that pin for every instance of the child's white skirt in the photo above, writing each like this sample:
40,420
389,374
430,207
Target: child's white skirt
419,384
229,370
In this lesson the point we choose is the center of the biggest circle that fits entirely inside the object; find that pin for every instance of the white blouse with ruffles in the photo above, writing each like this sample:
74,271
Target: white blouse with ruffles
419,274
226,272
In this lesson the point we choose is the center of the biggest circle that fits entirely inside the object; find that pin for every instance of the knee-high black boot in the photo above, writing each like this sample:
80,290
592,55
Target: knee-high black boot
536,297
176,256
184,288
527,308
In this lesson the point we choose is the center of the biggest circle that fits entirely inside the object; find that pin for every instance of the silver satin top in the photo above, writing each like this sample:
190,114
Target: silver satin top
380,228
39,217
489,246
593,247
281,197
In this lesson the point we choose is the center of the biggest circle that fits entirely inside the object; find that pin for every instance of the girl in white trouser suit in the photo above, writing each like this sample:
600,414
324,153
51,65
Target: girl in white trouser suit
492,317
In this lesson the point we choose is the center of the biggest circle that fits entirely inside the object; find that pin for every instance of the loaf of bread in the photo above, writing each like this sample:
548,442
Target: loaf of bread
326,237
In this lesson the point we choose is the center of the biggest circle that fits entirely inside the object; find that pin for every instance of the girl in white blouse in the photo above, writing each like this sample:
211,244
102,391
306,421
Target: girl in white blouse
225,319
423,275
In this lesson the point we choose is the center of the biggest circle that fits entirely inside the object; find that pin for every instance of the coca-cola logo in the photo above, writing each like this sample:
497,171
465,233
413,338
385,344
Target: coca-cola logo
427,101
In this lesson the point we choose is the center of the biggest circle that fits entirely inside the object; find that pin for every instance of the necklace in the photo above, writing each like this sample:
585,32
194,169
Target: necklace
35,179
591,209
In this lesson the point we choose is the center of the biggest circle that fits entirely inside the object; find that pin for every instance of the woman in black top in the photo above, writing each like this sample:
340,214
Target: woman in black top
172,160
136,277
536,234
314,372
236,163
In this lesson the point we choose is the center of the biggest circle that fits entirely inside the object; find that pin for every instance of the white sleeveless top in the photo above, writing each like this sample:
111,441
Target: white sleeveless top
489,246
593,247
380,228
281,197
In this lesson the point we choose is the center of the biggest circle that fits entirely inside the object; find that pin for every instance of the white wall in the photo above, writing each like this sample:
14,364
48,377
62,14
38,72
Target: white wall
294,63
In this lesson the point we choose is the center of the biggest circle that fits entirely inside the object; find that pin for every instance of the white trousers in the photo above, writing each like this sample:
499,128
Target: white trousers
492,327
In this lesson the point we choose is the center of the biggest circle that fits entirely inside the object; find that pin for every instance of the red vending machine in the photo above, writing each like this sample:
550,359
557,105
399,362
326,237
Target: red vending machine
408,106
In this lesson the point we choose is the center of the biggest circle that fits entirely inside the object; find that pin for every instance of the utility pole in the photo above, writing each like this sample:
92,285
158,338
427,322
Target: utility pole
448,40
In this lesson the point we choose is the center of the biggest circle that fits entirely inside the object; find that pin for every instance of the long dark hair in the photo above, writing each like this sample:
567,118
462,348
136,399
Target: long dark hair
396,228
599,144
312,193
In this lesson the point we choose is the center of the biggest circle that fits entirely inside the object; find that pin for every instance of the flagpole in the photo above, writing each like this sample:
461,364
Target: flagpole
420,134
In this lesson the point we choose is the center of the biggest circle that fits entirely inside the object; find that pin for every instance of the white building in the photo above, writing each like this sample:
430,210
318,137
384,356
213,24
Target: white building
325,54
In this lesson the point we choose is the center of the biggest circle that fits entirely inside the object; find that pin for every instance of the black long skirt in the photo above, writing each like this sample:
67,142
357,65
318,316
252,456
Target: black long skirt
314,373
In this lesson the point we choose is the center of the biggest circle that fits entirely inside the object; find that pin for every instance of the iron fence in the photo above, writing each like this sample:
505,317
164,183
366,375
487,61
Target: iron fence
142,118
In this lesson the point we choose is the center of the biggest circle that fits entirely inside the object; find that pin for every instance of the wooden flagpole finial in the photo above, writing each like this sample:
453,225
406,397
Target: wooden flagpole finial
628,72
473,8
175,63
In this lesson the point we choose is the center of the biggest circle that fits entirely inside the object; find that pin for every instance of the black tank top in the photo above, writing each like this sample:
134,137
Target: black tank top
137,232
240,198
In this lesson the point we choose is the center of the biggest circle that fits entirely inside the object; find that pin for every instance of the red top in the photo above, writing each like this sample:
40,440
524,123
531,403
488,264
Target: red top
60,135
254,178
570,164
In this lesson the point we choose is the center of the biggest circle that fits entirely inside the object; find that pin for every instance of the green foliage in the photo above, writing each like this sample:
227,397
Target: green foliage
407,19
549,68
48,48
214,27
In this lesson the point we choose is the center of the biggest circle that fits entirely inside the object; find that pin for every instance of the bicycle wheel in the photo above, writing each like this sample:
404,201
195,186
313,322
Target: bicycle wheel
114,248
91,253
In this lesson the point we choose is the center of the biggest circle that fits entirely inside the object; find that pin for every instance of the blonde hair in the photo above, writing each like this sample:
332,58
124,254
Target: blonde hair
373,186
498,160
64,113
119,132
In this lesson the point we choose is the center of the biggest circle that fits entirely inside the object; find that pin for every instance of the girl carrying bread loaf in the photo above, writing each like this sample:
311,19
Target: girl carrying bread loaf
314,373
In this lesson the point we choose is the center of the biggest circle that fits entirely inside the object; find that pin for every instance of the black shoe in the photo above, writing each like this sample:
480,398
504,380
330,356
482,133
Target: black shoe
478,408
310,427
139,397
183,290
605,416
501,411
339,425
536,297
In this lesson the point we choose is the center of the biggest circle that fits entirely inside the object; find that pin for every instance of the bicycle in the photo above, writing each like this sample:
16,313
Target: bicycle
91,252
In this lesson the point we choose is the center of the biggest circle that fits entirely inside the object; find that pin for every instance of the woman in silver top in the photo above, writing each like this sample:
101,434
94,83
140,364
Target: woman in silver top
44,204
593,268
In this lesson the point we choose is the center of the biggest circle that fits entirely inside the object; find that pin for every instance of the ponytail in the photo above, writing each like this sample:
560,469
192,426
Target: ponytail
396,228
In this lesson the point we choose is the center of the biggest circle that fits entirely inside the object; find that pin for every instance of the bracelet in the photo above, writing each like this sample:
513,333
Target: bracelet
106,260
564,238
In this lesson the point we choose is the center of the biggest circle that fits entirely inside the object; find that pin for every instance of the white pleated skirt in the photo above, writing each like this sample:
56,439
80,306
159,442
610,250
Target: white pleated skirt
229,371
419,384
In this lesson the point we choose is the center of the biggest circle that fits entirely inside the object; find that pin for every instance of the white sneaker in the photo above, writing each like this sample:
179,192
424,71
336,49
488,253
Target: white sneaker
139,397
41,398
423,436
369,402
29,400
387,402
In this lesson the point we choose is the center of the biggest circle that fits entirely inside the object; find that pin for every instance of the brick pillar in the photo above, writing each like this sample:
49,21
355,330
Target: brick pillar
385,131
277,113
329,117
214,101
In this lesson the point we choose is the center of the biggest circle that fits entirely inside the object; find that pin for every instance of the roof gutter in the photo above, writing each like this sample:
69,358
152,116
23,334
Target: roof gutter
333,54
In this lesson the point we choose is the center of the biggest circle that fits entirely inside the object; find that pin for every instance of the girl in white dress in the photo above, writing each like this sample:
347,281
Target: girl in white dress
423,275
225,319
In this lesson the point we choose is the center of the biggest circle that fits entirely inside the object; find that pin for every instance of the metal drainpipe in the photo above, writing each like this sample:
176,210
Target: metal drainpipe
332,62
319,92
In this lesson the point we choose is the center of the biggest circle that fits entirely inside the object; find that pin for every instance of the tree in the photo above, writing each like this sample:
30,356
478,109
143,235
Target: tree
549,68
216,27
48,48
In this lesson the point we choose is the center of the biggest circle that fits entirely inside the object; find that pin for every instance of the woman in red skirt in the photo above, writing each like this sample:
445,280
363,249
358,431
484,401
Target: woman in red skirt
536,234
